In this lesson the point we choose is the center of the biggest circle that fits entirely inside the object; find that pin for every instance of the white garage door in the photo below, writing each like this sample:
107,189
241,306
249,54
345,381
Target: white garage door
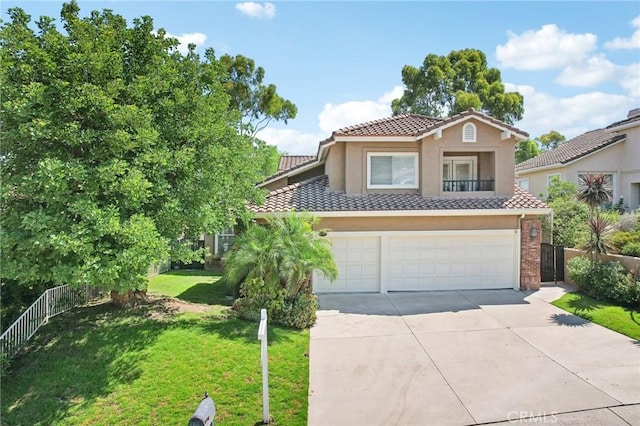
419,261
358,261
451,261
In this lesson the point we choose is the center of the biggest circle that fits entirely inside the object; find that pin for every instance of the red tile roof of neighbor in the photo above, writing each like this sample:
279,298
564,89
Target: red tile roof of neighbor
314,195
290,161
572,149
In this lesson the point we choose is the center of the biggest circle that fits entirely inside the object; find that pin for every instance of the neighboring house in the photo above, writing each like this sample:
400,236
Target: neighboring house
418,203
613,151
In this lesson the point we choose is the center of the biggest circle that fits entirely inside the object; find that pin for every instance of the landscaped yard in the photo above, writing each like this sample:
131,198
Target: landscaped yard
622,320
150,364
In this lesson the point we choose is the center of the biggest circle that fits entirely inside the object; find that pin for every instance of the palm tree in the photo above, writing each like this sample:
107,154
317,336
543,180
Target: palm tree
283,253
595,190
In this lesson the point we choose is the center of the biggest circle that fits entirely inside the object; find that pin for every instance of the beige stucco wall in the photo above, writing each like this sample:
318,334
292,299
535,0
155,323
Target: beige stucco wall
279,183
417,223
346,162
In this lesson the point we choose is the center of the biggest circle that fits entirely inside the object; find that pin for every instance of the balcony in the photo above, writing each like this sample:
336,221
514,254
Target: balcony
472,185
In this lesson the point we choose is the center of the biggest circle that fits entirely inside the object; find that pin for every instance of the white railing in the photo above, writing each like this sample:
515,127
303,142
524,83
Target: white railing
52,302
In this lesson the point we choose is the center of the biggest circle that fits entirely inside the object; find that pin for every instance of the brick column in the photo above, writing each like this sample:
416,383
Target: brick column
530,254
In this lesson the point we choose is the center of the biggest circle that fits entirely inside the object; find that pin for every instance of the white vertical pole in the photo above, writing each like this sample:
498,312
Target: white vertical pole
262,335
46,300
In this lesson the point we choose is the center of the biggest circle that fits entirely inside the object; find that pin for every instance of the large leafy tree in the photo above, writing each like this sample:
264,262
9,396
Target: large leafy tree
550,140
446,85
258,103
113,146
526,149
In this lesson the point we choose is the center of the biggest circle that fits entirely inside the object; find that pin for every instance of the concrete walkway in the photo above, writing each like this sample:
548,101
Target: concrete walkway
467,357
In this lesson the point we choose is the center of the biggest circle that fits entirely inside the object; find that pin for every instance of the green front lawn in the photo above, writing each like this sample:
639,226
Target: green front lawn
623,320
150,364
192,285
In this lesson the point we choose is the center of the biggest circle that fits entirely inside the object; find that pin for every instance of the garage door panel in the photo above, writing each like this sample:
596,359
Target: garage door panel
358,262
455,261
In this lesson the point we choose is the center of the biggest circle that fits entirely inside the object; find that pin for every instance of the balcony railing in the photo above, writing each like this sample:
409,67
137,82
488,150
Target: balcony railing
467,185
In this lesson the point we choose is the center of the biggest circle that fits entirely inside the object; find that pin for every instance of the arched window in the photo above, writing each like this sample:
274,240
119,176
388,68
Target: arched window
469,132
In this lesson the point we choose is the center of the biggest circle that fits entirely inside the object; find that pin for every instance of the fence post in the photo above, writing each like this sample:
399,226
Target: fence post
264,359
46,306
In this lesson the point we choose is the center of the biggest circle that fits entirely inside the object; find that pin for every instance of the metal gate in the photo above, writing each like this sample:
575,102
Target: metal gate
551,263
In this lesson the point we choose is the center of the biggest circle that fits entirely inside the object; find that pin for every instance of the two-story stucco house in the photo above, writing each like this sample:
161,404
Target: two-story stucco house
613,151
417,203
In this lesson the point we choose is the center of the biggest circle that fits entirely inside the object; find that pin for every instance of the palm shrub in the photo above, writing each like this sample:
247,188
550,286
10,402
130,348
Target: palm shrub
272,263
594,190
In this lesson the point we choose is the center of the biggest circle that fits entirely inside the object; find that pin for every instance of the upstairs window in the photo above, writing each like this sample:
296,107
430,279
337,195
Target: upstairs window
392,170
469,132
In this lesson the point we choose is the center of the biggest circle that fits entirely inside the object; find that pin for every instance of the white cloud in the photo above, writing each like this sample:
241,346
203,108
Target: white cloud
632,42
570,116
188,38
257,10
630,81
587,74
331,118
334,117
547,48
291,141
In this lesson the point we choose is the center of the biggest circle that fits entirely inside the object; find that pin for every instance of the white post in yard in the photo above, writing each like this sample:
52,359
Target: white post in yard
262,335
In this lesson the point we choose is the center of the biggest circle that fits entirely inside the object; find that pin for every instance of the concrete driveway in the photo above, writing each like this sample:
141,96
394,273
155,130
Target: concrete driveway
467,357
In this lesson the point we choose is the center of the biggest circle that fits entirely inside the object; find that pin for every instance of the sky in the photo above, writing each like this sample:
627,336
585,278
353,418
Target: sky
576,63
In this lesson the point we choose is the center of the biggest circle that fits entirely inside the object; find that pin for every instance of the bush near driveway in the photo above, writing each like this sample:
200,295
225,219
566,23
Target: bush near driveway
607,281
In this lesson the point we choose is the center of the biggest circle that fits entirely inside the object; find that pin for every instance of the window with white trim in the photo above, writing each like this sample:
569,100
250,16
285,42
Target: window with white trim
223,241
524,184
469,132
392,170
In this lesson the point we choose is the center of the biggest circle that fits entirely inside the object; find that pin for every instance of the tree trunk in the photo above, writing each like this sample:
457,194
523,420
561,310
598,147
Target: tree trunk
121,299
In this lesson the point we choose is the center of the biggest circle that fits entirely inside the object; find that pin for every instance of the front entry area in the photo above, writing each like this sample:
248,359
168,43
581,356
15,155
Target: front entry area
423,260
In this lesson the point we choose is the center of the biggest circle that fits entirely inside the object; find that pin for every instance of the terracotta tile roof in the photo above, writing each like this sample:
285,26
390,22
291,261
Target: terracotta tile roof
314,195
413,125
572,149
472,112
399,125
290,161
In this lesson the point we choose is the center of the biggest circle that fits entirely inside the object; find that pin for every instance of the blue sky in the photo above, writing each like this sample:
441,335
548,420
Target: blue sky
576,63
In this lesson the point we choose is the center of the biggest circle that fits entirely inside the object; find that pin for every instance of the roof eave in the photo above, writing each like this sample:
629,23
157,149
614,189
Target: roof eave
399,213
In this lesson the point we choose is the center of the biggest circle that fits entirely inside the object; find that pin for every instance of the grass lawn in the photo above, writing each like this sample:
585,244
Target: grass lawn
623,320
150,364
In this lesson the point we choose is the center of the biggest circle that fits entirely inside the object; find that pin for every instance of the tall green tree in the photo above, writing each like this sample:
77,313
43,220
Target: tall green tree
526,149
258,103
113,146
550,140
446,85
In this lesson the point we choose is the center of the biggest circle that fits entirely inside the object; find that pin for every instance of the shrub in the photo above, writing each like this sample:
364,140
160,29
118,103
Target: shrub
296,312
579,269
627,243
569,222
608,281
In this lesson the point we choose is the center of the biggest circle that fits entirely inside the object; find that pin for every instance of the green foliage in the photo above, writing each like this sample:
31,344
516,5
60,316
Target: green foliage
447,85
569,216
627,242
295,312
526,149
259,104
15,299
608,281
550,140
275,262
601,231
613,317
113,145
